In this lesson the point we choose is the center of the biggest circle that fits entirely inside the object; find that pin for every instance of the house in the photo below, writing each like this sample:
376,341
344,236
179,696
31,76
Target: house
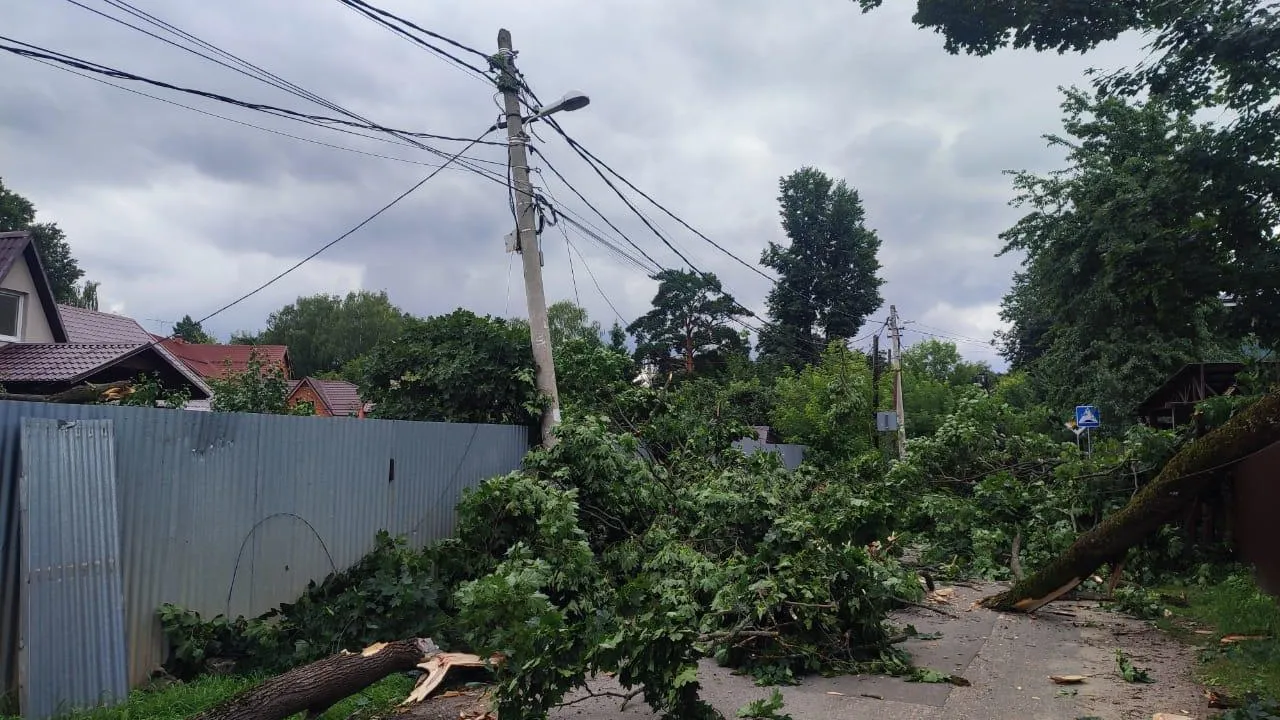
46,348
215,361
331,398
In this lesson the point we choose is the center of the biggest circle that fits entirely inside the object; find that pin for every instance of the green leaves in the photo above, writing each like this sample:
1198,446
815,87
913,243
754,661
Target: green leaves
459,367
828,282
259,388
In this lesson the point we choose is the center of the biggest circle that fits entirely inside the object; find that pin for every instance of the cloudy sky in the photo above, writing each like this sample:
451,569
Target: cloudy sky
702,104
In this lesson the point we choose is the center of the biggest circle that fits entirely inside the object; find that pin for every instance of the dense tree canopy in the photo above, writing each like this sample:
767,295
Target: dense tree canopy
828,281
325,332
18,213
689,325
459,367
935,378
1128,254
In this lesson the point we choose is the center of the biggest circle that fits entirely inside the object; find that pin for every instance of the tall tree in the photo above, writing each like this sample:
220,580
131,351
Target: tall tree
18,213
688,326
1128,254
828,282
459,367
568,320
325,332
189,330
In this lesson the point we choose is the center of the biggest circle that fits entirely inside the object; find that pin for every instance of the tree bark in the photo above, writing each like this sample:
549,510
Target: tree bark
1201,463
316,687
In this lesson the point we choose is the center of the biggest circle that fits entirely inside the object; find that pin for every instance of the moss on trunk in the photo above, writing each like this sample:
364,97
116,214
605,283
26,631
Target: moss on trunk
1201,463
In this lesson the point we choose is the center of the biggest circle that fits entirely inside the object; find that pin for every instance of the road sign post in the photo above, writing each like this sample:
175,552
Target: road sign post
1087,418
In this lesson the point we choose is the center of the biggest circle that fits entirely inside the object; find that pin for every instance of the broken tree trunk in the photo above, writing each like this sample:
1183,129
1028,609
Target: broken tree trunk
1180,481
316,687
78,395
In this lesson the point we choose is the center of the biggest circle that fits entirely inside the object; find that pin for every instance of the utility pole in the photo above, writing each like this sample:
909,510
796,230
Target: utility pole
527,239
895,330
875,382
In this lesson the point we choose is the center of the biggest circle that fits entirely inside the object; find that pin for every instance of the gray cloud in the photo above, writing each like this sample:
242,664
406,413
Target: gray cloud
704,105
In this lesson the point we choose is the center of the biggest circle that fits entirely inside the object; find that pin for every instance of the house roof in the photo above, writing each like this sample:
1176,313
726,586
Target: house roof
340,397
91,326
75,362
210,361
17,245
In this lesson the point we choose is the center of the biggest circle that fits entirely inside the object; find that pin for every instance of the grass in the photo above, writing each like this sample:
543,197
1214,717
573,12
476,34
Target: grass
1233,607
178,701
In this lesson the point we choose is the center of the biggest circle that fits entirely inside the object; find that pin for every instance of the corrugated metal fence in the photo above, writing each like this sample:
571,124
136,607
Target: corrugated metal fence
234,513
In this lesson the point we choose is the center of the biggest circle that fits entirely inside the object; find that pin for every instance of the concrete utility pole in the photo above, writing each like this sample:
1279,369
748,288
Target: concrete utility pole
875,382
527,239
895,330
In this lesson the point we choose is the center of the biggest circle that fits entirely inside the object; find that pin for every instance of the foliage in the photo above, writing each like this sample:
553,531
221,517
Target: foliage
618,338
188,330
934,375
1129,231
18,213
260,388
688,326
827,407
390,594
85,296
459,367
567,320
589,375
987,476
325,332
1130,672
151,391
765,709
828,282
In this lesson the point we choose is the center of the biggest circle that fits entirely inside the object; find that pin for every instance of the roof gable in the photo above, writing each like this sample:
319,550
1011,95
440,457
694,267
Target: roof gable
16,247
340,397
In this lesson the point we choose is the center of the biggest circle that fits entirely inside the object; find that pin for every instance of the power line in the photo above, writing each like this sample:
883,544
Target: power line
273,131
37,52
327,245
595,282
384,18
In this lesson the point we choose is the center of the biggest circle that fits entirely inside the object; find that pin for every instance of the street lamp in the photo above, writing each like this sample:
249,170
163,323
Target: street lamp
572,100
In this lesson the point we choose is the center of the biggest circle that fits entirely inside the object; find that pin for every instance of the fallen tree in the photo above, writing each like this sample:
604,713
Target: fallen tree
315,688
79,395
1197,466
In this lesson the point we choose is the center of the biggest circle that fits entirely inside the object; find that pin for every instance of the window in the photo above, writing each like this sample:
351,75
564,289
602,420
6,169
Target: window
10,316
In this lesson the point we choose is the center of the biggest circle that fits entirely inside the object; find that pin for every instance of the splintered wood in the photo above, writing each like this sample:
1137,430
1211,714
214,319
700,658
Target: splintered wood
436,668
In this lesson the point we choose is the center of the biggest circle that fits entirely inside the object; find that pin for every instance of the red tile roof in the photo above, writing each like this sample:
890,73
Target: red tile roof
91,326
340,397
210,361
56,362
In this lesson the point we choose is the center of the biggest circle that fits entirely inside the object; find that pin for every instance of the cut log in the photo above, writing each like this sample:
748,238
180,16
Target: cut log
1201,463
315,688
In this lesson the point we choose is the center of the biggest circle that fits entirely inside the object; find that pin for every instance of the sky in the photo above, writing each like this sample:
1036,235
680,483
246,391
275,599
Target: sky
703,105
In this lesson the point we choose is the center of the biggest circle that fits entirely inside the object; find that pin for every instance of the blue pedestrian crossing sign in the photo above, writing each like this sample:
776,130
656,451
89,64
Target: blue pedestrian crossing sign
1087,416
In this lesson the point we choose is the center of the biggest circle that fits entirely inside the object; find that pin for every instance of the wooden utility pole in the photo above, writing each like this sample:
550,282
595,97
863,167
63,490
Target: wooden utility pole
527,239
895,331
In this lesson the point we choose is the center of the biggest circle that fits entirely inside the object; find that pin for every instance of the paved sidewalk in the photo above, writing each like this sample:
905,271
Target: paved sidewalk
1006,658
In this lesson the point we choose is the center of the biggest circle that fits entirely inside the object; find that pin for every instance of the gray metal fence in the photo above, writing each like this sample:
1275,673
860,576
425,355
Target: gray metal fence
233,513
792,455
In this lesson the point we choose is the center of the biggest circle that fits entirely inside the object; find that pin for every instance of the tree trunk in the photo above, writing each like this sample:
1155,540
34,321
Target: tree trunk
78,395
316,687
1197,466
